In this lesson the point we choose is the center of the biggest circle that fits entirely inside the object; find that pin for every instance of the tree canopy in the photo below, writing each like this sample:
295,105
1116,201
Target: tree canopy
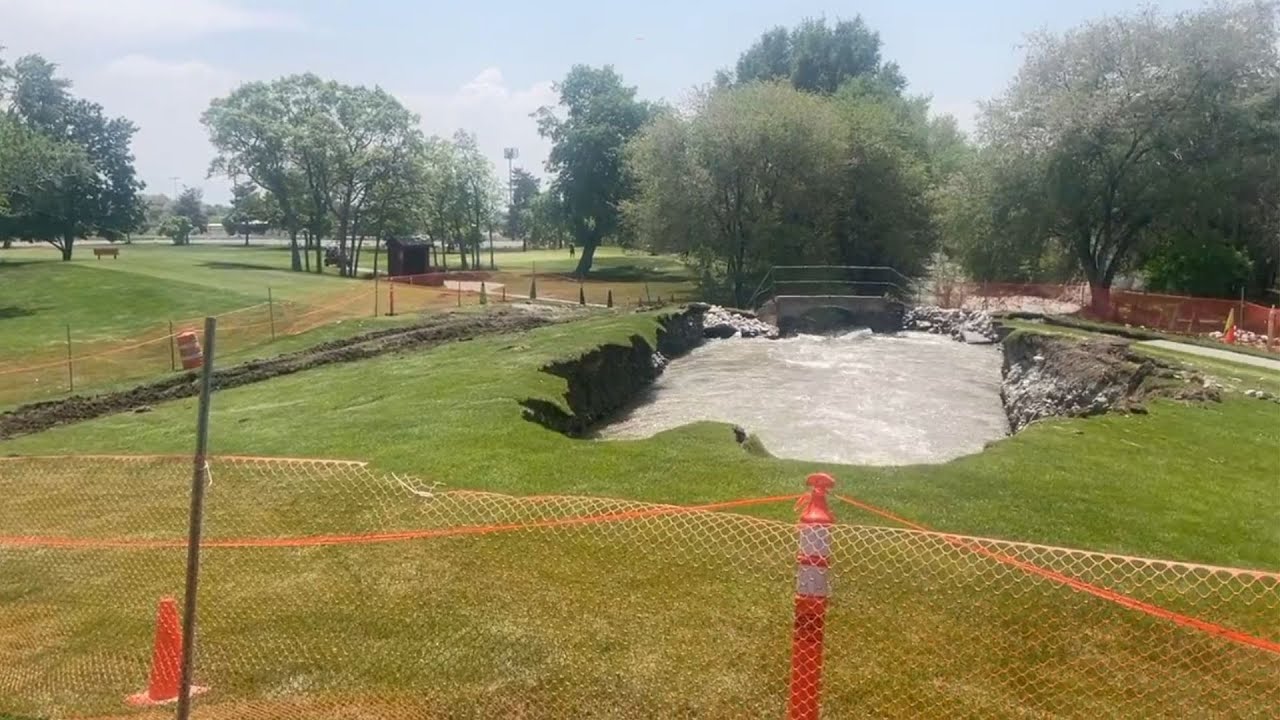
598,115
68,168
817,57
1142,138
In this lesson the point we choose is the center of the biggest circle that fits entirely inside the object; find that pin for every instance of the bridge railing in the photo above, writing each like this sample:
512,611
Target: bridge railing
839,280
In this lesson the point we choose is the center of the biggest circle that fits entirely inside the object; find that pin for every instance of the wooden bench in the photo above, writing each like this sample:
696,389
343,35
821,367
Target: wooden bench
99,252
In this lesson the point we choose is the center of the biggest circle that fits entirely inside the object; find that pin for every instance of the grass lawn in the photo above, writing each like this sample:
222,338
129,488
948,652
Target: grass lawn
119,310
452,415
665,617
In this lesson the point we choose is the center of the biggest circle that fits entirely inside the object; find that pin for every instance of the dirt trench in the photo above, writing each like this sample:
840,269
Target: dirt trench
431,332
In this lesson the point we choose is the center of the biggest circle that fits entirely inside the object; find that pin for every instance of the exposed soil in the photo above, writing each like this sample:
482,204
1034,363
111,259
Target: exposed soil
431,332
606,379
1052,376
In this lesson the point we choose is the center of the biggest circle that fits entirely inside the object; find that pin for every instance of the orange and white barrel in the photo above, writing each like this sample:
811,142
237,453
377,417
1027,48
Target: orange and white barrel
189,350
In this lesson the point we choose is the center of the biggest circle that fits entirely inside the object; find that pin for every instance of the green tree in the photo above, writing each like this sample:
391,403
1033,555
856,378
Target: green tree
545,220
524,188
251,131
600,115
177,228
819,58
750,179
88,185
248,207
1110,116
190,205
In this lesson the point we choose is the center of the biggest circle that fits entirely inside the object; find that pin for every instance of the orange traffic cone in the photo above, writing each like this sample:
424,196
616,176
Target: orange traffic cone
166,659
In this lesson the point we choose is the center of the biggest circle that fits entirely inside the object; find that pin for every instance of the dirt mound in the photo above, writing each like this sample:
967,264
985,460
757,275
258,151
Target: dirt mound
431,332
1052,376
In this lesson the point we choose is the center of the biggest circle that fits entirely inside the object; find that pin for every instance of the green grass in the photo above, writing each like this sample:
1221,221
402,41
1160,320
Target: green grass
1141,333
661,617
452,415
105,300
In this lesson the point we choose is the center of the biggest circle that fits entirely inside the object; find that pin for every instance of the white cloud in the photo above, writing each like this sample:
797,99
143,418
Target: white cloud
120,21
498,115
145,67
164,98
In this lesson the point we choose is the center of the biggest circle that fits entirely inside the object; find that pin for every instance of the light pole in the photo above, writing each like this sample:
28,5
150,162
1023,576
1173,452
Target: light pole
511,154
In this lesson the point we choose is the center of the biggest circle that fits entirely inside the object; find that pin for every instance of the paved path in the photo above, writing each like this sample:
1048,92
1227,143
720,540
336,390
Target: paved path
1214,353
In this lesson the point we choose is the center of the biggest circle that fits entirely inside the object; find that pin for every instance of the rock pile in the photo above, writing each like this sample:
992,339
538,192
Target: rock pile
1243,337
1046,376
718,322
964,325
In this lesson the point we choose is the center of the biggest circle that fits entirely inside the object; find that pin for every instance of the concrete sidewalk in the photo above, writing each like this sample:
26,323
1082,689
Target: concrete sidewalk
1214,353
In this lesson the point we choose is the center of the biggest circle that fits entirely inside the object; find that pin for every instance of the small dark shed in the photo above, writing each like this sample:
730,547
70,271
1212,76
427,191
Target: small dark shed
409,256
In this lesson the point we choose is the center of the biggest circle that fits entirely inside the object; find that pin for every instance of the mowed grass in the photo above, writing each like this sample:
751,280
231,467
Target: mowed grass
630,276
119,311
666,616
1187,482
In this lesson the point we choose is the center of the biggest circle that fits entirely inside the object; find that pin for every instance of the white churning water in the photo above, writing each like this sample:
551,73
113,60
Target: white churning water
856,398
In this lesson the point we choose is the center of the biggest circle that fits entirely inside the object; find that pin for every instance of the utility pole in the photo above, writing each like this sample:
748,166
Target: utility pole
511,154
174,178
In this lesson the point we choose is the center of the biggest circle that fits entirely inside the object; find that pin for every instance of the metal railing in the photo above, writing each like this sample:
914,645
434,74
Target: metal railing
838,280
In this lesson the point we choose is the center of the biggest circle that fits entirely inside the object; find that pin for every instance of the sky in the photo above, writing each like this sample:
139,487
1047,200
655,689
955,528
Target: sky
482,66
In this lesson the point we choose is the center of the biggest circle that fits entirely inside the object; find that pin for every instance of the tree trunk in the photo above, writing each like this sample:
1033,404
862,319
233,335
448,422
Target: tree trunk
584,260
295,259
306,249
246,238
1100,299
67,241
8,243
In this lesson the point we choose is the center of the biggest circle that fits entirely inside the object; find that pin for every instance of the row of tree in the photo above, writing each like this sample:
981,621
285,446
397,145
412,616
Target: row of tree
1145,147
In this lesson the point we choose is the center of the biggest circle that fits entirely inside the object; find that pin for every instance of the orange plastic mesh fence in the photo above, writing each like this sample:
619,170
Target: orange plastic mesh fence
97,364
1169,313
331,591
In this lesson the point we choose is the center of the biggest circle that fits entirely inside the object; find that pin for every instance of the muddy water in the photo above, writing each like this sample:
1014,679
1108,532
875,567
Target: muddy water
857,398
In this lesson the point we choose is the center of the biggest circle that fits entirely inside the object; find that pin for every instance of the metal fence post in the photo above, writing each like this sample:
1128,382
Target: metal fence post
271,311
812,588
196,521
173,350
71,375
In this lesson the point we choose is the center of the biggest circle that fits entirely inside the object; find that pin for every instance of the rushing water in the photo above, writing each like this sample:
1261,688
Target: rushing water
856,398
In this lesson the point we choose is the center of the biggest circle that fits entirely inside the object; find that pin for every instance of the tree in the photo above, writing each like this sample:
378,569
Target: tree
524,188
177,228
190,205
248,208
37,174
815,57
88,185
545,220
600,115
251,131
325,152
748,180
1111,118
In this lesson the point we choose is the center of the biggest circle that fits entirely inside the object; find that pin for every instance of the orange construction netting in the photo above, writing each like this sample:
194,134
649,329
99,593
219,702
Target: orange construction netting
330,591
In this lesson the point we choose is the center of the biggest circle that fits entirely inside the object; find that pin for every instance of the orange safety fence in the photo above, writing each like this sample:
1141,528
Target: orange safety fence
1176,314
94,365
482,605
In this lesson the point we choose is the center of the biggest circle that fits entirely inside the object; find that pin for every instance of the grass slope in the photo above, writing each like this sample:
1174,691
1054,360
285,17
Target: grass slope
660,618
1194,483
